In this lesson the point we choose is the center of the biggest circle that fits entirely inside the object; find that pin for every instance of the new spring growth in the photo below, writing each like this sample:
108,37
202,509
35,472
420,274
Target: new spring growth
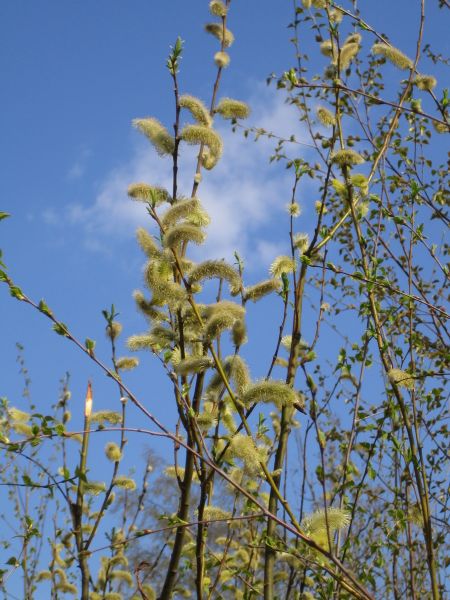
182,209
127,363
294,209
197,109
148,193
201,135
347,158
158,135
395,56
214,513
182,234
193,364
319,3
277,392
401,378
113,452
232,109
306,3
348,53
106,416
259,290
361,182
218,8
147,243
216,269
222,59
425,82
301,242
125,482
224,36
244,448
325,116
315,525
18,415
113,330
282,264
88,401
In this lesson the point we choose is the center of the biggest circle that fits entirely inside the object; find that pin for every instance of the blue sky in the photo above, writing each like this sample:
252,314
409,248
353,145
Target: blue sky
73,74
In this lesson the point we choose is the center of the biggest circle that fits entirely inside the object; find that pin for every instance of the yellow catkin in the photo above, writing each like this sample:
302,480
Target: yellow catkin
395,56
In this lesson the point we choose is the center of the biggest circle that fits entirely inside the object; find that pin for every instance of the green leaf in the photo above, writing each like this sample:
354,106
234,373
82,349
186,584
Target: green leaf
4,215
90,345
44,308
61,329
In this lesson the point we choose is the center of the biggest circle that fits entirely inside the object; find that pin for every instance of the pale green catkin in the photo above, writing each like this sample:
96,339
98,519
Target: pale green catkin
217,31
228,108
142,341
401,378
212,513
183,233
146,307
124,576
347,158
178,211
158,135
325,116
216,269
425,82
277,392
222,59
197,109
306,3
127,363
113,330
259,290
106,416
18,415
239,333
315,525
147,242
361,182
244,448
193,364
301,242
327,48
348,53
218,323
218,8
94,488
148,193
124,482
281,265
353,38
236,371
22,429
199,134
224,306
395,56
113,452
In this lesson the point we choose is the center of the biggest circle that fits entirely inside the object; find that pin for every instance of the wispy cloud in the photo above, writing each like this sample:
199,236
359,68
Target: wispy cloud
244,194
78,168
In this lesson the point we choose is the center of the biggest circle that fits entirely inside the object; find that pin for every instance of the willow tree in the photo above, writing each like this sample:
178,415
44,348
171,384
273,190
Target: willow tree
360,509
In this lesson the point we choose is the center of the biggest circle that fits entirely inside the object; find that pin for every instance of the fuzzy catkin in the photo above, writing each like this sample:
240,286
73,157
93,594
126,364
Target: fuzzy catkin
216,269
178,211
228,108
277,392
158,135
217,31
259,290
183,233
395,56
197,109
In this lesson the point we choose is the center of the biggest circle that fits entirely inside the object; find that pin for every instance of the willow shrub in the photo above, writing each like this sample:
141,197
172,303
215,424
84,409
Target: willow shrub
361,507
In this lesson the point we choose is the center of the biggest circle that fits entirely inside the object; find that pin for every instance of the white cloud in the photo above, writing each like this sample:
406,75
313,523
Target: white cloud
243,194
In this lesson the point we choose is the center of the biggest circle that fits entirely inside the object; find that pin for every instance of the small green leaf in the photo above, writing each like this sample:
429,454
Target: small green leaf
4,215
61,329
